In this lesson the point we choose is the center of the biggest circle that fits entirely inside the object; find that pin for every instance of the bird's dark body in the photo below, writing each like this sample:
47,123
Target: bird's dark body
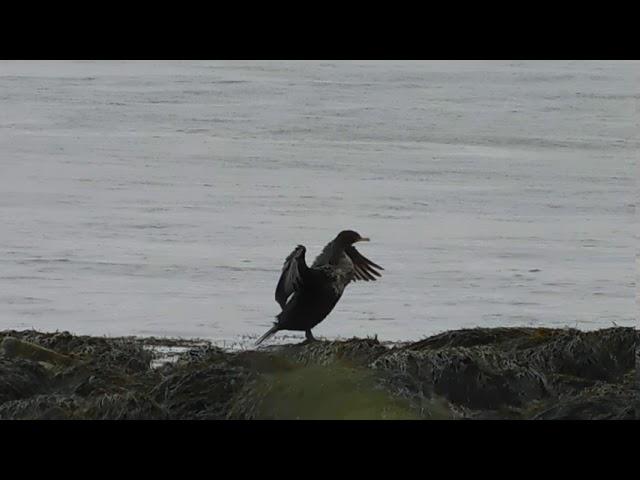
308,307
308,294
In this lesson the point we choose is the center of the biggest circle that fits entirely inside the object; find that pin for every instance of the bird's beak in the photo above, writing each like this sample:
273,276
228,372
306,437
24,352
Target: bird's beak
363,239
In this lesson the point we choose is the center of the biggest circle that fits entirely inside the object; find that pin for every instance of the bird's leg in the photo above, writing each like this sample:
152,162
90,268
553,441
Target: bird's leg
309,336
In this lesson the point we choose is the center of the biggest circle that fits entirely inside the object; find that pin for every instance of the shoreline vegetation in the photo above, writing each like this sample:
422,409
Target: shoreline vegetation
481,373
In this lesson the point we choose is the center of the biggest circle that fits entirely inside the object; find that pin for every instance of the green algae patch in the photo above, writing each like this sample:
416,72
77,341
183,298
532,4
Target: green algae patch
321,392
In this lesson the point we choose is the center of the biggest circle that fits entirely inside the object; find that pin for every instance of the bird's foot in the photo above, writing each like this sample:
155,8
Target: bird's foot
310,338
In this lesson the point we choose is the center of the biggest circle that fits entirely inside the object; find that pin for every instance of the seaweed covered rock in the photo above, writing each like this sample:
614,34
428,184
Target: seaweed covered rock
11,347
21,379
355,351
52,406
477,377
604,355
128,354
203,393
85,378
508,371
519,373
126,406
500,338
603,401
636,379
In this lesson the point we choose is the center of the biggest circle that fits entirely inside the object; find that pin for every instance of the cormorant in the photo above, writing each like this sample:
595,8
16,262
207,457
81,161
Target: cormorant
308,294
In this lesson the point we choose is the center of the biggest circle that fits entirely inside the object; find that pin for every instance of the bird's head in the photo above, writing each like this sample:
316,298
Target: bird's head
347,238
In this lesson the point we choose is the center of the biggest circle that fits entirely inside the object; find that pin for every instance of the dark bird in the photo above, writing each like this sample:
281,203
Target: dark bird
308,294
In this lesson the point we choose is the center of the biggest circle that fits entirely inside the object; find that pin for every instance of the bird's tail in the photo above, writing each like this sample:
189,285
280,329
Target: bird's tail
270,333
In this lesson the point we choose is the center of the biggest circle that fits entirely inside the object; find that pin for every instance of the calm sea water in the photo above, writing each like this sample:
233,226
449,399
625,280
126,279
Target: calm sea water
161,198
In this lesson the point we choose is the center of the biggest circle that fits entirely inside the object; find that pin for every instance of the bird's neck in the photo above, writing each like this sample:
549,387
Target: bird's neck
336,251
330,255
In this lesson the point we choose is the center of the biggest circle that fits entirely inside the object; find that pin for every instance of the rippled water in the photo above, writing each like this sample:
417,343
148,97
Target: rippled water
161,198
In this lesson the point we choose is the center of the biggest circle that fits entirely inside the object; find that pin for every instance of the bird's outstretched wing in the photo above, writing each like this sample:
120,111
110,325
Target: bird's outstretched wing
294,272
364,268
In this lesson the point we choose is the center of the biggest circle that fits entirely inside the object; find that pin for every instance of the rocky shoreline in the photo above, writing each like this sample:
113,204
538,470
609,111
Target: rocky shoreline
497,373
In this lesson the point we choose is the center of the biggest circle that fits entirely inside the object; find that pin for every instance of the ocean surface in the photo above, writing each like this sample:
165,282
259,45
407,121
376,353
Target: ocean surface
161,198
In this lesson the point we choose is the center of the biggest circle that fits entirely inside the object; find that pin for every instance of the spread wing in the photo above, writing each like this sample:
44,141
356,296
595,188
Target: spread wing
364,268
294,272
